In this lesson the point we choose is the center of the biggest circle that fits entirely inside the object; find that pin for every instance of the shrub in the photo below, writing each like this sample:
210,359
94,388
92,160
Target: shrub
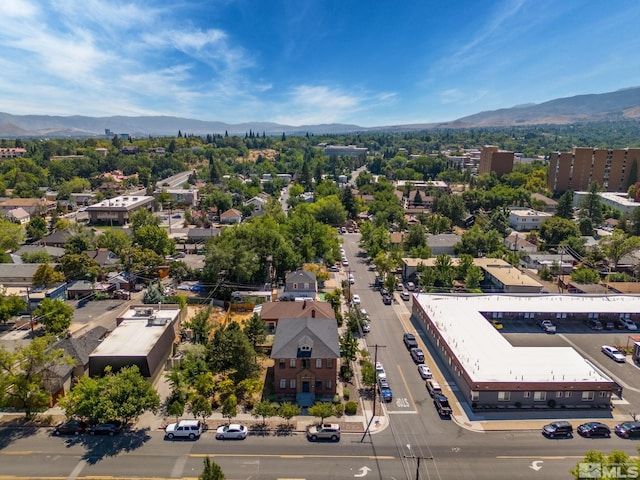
346,393
339,408
351,408
336,399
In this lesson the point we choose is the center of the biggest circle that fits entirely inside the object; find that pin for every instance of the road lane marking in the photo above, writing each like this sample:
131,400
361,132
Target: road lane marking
412,412
543,457
405,384
268,455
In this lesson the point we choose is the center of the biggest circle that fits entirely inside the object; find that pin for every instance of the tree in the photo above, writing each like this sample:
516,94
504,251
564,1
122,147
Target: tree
473,278
22,374
155,238
10,305
36,229
175,407
564,209
322,410
45,275
230,407
617,245
39,256
556,230
628,467
255,330
585,275
79,267
368,374
80,242
499,220
11,235
114,240
476,242
265,409
123,396
288,411
212,471
445,271
55,315
349,347
200,406
591,205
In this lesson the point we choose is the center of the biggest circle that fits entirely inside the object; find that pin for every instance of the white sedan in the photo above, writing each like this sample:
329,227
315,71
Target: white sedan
382,375
355,299
232,431
424,371
614,353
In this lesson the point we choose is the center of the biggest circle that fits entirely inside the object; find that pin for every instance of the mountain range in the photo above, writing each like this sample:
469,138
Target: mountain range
619,105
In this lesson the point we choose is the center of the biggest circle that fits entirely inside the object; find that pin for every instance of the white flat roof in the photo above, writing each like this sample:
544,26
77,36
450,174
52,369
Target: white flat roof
121,201
488,357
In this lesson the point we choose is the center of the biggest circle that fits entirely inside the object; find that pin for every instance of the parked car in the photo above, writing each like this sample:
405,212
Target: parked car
433,387
497,324
387,300
384,292
417,354
233,431
355,299
547,326
594,324
628,430
385,391
110,429
409,340
380,373
424,371
326,431
441,403
333,268
345,262
614,353
70,427
405,295
366,327
594,429
411,286
628,324
558,429
184,429
352,280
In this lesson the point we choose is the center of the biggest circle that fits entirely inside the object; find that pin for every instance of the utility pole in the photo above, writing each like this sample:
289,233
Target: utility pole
375,388
418,458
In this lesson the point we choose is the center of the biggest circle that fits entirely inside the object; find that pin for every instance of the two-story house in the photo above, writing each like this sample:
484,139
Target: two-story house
306,355
300,284
271,312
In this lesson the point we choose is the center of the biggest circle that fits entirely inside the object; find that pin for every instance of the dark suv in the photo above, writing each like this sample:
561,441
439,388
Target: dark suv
558,429
409,340
417,354
442,405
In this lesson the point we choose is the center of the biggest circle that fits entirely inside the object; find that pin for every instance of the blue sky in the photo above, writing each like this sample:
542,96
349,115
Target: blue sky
297,62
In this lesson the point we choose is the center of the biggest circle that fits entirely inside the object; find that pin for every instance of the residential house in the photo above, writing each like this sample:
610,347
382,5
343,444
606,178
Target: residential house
32,206
538,260
550,204
105,258
525,219
19,274
231,216
516,242
300,284
19,215
306,356
55,239
12,152
54,252
259,203
79,289
272,312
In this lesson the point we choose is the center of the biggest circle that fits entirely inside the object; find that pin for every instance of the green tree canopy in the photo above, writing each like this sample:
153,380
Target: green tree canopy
55,315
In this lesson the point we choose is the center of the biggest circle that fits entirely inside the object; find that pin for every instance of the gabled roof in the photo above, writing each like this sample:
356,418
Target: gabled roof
322,332
443,240
201,233
301,276
277,310
57,237
18,213
81,347
20,270
103,257
55,252
232,212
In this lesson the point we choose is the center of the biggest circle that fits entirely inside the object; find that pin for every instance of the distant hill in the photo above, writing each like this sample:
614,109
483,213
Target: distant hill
620,105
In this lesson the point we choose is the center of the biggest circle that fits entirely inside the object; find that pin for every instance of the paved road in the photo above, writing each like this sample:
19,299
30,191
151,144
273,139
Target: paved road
414,431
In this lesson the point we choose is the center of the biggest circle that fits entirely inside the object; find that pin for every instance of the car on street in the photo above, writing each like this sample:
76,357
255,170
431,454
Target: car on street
614,353
433,387
387,300
70,427
385,391
380,373
417,354
191,429
405,295
411,286
345,262
110,429
233,431
409,340
424,371
352,279
547,326
366,327
333,268
384,292
326,431
594,429
628,430
355,299
441,402
558,429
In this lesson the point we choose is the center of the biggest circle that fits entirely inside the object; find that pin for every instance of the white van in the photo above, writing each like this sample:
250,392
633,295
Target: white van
433,387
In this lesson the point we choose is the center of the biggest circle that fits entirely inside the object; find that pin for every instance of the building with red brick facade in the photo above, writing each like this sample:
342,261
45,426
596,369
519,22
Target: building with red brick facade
306,356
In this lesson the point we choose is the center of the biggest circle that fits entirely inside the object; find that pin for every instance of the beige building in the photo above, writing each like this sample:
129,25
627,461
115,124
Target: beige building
492,159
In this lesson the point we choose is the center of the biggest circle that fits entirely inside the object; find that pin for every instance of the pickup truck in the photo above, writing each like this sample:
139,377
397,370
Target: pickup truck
442,405
547,326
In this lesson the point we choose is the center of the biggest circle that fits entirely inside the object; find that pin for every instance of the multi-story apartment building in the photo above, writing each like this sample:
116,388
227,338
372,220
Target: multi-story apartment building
614,170
492,159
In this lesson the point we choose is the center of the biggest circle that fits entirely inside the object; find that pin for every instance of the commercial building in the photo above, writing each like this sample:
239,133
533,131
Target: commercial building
144,336
492,159
118,210
489,372
614,170
344,151
617,201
